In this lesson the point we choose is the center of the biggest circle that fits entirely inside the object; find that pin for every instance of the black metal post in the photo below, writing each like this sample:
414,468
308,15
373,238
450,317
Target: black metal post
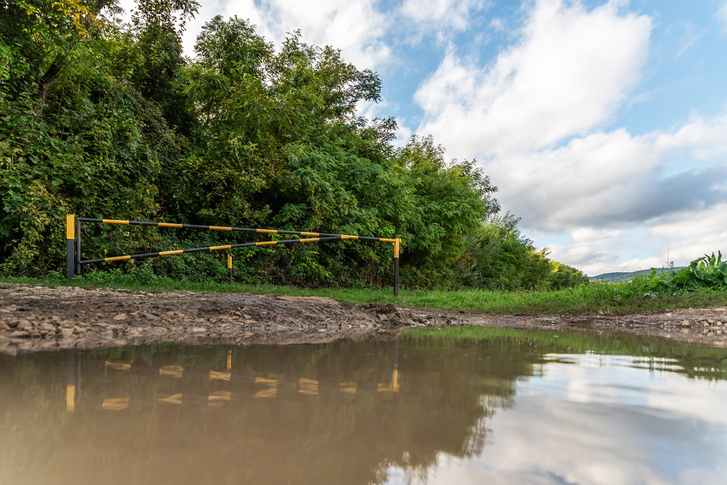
78,246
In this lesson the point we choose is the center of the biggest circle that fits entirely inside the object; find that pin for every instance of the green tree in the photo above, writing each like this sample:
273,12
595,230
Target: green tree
500,257
81,139
445,203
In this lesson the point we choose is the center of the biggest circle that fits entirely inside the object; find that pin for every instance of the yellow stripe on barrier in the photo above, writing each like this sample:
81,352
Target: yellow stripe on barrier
314,239
223,376
343,236
171,370
349,387
117,258
308,386
70,227
115,403
217,248
267,393
267,231
169,224
218,398
70,398
316,234
265,243
167,253
118,365
220,228
171,399
114,221
396,247
387,240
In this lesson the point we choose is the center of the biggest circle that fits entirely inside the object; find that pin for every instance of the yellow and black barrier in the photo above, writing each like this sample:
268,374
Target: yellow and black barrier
73,242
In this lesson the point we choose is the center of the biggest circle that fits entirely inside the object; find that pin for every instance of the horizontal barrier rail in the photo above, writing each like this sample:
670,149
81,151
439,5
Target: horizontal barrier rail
73,242
234,229
210,248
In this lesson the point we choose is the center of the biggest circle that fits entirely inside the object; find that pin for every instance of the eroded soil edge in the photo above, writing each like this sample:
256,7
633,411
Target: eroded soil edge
39,318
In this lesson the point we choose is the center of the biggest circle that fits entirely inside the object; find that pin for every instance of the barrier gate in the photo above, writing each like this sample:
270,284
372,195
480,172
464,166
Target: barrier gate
73,242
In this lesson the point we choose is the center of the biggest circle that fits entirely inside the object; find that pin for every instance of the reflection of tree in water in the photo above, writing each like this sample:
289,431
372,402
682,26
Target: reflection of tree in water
343,412
371,404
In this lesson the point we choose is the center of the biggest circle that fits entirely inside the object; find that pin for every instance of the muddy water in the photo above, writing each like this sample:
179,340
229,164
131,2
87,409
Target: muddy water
507,408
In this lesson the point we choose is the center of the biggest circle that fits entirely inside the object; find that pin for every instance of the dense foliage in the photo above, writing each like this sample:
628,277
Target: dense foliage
499,257
103,119
705,272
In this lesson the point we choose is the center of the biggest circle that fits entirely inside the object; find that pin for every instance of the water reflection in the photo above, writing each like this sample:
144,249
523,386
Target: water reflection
416,410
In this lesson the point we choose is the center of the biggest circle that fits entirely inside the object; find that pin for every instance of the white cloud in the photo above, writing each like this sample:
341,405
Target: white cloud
571,70
581,424
592,179
443,14
722,16
536,115
356,27
690,38
702,138
613,178
614,182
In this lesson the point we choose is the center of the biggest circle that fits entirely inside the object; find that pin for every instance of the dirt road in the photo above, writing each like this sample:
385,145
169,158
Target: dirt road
40,318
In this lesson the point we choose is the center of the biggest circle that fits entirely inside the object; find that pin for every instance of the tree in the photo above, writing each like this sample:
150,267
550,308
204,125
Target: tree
446,203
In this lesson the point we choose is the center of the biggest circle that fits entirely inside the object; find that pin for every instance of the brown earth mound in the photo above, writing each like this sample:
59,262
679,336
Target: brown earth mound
39,318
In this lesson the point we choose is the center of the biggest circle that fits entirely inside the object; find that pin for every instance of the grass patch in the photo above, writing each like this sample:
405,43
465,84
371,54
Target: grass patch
628,297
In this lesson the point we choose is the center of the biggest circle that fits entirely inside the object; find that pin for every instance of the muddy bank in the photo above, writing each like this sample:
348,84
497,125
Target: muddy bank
39,318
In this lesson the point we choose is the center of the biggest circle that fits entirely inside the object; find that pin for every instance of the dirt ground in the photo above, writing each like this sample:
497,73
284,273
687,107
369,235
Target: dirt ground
40,318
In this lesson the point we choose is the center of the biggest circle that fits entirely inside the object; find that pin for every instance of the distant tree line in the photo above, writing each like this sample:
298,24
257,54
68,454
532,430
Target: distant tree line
104,119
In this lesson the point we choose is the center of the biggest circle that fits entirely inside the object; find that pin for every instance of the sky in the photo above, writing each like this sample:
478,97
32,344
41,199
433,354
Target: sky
602,123
596,419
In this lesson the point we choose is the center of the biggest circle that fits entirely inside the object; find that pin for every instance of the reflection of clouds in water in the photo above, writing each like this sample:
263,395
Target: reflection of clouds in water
604,422
396,476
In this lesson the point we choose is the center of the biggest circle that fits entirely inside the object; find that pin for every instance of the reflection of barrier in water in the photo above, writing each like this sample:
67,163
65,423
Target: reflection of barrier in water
73,242
265,387
169,429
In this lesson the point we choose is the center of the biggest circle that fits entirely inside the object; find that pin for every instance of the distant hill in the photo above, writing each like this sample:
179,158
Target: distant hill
621,276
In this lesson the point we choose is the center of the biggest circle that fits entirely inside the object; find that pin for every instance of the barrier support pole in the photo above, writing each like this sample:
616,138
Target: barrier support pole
396,267
70,246
229,265
78,247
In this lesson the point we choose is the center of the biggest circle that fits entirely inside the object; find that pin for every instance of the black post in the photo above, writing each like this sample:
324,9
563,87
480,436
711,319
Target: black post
78,246
70,247
396,267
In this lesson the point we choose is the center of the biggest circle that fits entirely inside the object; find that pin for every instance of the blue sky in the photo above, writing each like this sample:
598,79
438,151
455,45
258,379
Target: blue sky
602,123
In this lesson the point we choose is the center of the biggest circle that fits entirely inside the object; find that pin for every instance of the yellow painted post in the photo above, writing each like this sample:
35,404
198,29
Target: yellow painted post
70,246
229,265
396,266
70,381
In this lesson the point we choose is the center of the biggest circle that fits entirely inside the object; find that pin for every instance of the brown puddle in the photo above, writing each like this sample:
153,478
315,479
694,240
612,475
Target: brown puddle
506,409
